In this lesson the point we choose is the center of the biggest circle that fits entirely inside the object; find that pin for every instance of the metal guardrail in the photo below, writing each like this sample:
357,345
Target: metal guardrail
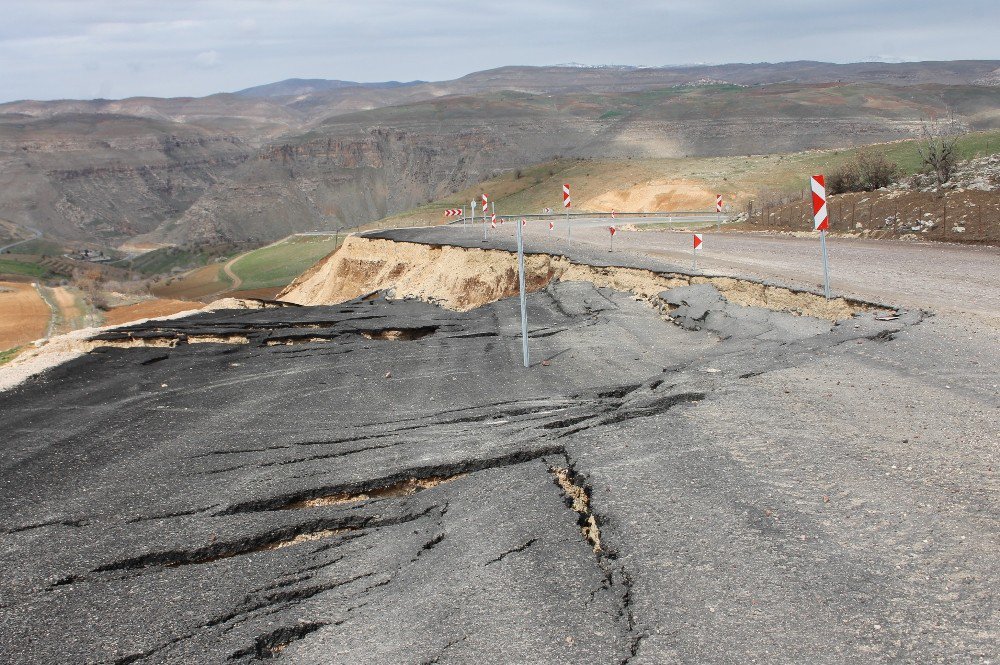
651,217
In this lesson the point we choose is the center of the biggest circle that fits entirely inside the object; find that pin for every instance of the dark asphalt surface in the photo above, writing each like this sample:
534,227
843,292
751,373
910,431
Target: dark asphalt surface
373,482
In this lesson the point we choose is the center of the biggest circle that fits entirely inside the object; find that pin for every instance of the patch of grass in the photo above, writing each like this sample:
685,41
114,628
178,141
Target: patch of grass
21,268
277,265
166,258
613,113
9,354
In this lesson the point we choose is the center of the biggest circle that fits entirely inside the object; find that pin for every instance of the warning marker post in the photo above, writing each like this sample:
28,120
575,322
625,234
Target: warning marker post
612,231
566,205
696,243
718,212
520,279
485,199
821,222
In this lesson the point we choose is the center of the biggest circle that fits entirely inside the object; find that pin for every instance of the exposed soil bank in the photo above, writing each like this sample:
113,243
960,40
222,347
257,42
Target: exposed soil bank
465,278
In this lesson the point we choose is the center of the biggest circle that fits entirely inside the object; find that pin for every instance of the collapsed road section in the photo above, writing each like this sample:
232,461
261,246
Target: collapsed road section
379,480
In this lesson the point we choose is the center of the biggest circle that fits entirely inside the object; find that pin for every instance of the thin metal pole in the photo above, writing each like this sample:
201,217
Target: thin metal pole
826,265
569,229
524,308
484,221
694,257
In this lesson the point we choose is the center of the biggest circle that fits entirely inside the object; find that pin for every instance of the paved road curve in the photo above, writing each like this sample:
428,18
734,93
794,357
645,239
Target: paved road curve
38,234
964,279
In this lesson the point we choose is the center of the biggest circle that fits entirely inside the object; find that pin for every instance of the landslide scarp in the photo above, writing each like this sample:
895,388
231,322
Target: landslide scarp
464,278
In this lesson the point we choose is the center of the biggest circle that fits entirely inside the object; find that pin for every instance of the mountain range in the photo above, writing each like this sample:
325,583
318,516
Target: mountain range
301,154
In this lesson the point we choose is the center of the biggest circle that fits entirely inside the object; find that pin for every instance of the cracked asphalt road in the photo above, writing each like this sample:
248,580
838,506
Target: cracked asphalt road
376,482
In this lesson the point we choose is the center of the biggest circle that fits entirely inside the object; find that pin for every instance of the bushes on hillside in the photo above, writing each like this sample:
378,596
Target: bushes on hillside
869,171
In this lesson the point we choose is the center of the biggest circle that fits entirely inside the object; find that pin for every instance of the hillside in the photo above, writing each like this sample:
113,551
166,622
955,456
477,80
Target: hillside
643,185
266,163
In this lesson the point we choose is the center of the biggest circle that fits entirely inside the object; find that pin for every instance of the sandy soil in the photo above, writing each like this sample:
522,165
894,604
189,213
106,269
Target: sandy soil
140,246
655,195
24,316
266,293
71,314
148,309
228,269
465,278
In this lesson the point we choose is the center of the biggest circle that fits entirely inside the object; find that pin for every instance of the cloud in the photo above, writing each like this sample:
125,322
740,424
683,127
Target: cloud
247,25
59,48
207,59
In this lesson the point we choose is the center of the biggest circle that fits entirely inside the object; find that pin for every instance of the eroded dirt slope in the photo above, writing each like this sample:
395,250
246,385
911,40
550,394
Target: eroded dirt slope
463,277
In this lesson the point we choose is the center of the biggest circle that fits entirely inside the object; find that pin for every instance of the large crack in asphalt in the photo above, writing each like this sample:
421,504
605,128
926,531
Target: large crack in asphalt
384,476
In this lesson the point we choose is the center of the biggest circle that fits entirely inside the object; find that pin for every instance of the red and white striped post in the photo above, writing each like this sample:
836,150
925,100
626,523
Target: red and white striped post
486,200
566,205
821,222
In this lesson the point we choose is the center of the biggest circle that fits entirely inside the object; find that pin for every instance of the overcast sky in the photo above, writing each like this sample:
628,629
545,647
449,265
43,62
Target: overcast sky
119,48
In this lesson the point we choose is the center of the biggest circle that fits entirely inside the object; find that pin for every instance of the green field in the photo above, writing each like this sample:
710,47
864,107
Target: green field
165,259
280,263
269,267
21,268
